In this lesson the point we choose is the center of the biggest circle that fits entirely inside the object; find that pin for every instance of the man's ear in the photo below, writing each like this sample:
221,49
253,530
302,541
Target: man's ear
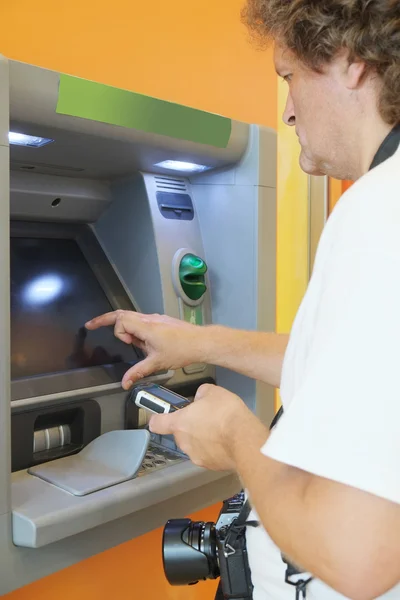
355,73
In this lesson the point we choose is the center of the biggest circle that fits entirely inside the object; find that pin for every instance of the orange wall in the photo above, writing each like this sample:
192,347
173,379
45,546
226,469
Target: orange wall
336,190
132,571
346,185
191,52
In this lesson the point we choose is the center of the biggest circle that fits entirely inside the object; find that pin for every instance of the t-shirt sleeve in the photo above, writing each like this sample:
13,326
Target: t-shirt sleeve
343,423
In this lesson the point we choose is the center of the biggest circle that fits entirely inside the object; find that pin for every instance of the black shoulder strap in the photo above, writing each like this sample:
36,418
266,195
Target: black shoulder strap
243,515
276,418
388,147
246,509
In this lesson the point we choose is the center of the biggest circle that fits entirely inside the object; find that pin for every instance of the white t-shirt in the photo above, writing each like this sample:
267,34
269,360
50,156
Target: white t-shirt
341,374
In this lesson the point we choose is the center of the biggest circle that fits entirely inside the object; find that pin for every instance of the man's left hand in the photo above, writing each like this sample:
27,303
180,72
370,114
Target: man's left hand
210,429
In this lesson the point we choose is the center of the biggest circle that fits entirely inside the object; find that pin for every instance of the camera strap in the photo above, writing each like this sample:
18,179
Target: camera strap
240,524
292,578
238,528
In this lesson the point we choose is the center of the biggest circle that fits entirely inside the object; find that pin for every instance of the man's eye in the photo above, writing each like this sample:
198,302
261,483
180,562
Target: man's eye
287,78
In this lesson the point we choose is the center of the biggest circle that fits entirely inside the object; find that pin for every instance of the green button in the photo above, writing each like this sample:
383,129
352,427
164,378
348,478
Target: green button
192,272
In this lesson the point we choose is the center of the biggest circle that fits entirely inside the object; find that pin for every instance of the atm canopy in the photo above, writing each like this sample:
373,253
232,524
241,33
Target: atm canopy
101,132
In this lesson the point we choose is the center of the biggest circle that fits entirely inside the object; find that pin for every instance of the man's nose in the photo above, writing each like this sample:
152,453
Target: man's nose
288,115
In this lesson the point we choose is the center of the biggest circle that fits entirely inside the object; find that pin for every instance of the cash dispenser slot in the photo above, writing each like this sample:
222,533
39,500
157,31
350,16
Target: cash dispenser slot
53,432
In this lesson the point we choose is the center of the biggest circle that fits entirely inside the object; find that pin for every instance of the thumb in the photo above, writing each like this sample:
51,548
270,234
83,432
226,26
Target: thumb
163,424
145,367
204,390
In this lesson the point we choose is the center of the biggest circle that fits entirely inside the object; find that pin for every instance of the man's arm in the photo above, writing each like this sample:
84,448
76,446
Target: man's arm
171,344
255,354
346,537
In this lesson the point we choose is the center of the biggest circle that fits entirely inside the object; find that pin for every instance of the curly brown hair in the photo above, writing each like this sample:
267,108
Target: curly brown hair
316,30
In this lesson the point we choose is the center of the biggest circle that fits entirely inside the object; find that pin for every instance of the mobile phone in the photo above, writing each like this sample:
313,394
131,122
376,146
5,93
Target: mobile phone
157,399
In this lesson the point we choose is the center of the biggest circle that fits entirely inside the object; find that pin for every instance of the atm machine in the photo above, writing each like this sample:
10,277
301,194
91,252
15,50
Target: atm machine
175,214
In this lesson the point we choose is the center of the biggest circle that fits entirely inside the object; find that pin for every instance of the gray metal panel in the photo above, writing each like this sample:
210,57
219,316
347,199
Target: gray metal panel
144,257
5,443
241,253
110,459
4,336
20,566
88,392
231,253
4,102
172,236
126,234
259,164
266,287
33,99
266,259
53,514
32,195
112,408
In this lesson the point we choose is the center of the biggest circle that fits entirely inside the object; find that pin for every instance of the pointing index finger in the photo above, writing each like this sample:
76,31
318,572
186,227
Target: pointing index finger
103,320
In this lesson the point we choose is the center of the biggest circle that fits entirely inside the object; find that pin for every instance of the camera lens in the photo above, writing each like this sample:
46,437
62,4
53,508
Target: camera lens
189,551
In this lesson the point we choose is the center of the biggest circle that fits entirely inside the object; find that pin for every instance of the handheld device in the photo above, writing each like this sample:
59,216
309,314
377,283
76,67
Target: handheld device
157,399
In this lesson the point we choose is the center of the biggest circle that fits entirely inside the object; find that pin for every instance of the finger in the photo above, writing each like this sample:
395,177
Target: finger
125,322
111,319
145,367
204,390
120,331
103,320
163,424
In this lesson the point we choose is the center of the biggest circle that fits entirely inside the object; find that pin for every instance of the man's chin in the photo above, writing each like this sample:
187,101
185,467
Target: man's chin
310,166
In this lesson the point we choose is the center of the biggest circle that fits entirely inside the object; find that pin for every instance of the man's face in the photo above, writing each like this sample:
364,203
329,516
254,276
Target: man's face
316,107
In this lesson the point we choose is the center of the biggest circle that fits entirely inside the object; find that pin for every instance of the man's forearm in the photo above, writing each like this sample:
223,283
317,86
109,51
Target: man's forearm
255,354
341,535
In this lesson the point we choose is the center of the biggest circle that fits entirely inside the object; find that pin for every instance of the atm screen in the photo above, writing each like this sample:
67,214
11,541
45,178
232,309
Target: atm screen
53,293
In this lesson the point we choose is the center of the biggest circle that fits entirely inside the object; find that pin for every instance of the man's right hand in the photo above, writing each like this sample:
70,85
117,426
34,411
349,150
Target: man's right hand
172,344
167,343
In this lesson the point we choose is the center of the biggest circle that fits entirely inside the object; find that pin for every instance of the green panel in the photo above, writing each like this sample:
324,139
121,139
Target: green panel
97,102
193,314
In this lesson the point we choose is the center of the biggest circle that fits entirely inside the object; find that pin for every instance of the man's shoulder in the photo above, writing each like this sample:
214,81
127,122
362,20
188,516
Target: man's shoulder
367,216
385,176
369,210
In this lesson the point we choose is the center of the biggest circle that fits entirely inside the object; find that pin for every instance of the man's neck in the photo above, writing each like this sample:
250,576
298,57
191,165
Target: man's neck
369,143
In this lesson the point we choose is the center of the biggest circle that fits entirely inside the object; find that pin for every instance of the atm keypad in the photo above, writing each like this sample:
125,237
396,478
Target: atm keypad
158,458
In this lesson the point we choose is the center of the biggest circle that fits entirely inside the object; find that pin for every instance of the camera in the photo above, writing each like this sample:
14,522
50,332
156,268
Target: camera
195,551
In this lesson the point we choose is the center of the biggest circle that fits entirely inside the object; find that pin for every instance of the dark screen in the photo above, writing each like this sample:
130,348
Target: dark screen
53,293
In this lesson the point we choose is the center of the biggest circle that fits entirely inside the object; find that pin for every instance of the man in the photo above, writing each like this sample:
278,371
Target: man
326,482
